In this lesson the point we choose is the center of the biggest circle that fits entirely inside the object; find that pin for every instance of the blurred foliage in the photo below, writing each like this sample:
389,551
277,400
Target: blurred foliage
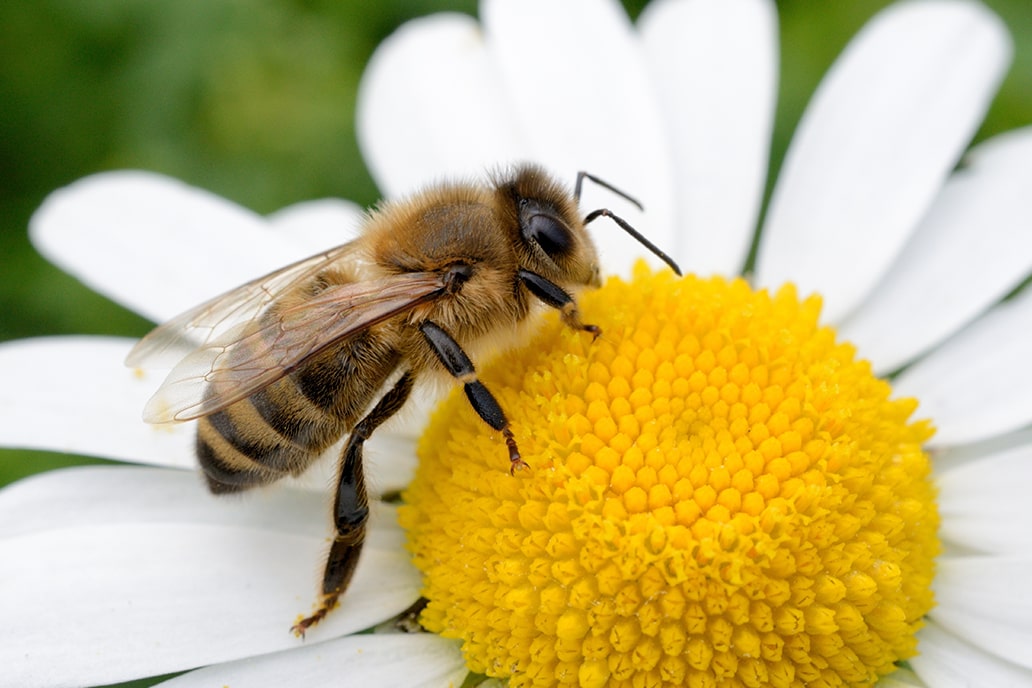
254,100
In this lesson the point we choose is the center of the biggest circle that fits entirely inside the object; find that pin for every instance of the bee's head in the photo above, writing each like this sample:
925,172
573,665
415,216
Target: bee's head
551,237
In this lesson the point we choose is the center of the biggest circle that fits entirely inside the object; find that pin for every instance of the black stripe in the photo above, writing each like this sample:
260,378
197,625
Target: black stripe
281,419
320,381
225,426
307,436
221,478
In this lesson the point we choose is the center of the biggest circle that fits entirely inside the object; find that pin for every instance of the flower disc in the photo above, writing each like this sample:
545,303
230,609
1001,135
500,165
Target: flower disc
719,494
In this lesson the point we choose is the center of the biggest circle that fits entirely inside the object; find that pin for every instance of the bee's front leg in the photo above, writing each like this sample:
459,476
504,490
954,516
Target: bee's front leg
456,362
351,506
556,297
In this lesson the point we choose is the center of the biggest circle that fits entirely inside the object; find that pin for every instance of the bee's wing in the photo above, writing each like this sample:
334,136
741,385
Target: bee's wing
247,358
170,342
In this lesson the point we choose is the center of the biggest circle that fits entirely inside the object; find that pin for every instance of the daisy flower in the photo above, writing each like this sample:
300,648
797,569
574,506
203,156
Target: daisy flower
806,478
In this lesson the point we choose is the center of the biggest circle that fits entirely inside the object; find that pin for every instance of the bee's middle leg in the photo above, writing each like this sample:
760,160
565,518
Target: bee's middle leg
455,360
351,505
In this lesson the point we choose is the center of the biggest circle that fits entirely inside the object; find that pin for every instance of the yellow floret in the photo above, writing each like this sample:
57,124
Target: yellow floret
720,494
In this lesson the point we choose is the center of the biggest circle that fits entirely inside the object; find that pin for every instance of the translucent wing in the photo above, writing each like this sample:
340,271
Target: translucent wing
169,343
247,358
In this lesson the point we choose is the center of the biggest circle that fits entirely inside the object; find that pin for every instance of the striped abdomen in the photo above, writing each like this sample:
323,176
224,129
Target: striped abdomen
281,429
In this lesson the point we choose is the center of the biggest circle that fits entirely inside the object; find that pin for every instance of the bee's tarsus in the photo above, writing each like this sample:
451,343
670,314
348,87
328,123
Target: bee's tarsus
327,605
516,463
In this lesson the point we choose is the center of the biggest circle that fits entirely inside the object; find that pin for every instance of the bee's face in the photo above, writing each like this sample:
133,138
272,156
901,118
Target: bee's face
557,244
549,235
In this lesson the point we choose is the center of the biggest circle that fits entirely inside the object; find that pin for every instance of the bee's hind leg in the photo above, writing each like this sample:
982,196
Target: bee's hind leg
351,506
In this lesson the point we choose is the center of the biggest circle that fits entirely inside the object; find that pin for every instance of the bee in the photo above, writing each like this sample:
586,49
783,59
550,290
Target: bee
279,369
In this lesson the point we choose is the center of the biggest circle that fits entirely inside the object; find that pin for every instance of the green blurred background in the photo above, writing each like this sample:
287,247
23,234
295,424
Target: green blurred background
254,100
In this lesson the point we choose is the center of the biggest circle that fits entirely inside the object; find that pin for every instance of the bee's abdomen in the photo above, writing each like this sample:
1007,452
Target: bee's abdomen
281,429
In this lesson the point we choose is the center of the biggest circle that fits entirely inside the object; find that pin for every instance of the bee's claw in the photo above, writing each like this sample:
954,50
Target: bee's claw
515,462
518,465
328,604
300,627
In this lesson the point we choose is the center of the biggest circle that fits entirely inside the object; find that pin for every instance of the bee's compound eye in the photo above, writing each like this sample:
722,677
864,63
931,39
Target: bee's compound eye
550,234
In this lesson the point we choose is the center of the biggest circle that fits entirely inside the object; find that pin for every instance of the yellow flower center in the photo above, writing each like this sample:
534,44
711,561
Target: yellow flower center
720,494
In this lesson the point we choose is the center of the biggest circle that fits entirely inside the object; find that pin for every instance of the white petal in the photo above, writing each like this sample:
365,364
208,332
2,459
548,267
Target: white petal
98,495
715,68
948,458
431,105
576,79
390,462
984,503
391,452
122,494
319,225
973,247
979,383
414,660
75,395
153,243
883,131
946,661
987,601
105,602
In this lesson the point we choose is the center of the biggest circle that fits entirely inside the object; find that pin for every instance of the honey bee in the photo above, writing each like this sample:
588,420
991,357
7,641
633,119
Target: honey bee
279,369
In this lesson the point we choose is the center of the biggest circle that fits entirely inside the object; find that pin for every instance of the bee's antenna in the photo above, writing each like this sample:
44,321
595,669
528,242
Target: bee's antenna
605,185
602,212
